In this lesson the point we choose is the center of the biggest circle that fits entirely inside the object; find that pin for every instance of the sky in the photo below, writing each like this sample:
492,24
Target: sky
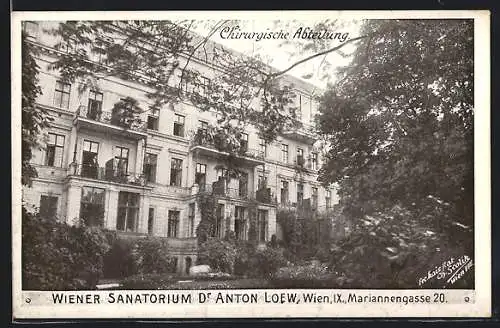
281,54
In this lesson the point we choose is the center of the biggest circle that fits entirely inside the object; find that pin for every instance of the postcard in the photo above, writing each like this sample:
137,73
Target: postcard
267,164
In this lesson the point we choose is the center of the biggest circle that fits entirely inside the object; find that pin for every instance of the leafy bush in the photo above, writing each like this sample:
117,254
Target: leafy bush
170,282
267,261
132,256
395,250
150,255
304,232
219,254
305,276
244,265
57,256
148,281
118,261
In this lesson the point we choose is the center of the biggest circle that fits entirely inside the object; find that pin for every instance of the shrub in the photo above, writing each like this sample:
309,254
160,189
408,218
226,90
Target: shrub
119,262
305,276
132,256
150,255
266,262
219,254
304,231
244,265
57,256
395,250
148,281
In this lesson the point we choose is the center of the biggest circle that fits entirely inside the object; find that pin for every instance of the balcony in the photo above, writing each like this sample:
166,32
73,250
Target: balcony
106,174
203,144
104,121
264,195
302,133
220,189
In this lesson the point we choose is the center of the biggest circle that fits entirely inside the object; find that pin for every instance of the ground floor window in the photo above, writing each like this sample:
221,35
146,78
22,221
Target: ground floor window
173,223
219,221
48,207
92,206
188,263
128,212
240,224
191,214
175,263
262,225
151,220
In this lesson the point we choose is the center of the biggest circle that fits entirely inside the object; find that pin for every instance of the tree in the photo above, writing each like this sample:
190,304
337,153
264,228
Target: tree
163,54
400,121
34,118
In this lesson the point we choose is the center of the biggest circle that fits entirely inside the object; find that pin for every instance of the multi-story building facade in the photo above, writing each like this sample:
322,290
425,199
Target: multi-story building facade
144,179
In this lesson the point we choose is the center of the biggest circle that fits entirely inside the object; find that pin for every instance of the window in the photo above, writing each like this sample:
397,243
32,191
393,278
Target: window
176,172
262,181
203,126
240,226
173,223
191,214
243,185
92,206
300,193
98,51
244,142
220,187
186,86
200,175
284,153
205,86
328,197
179,125
31,28
95,105
314,198
128,212
154,119
89,159
121,159
219,221
48,207
150,161
314,161
61,98
151,220
262,147
300,157
284,192
55,150
262,225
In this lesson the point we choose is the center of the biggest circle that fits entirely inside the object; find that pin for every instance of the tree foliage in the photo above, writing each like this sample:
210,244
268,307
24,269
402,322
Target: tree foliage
34,118
57,256
399,121
242,90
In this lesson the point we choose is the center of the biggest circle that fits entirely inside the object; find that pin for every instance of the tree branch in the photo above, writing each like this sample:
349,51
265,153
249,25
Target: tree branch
318,54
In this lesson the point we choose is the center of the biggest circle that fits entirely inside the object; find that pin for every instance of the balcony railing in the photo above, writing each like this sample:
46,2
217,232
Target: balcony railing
220,189
203,139
107,174
110,118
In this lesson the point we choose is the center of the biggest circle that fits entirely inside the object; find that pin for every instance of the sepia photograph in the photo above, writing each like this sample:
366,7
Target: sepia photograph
246,156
